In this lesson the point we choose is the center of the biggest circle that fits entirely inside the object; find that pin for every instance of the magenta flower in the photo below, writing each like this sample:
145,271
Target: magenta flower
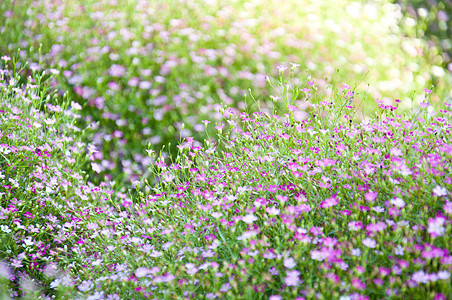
329,202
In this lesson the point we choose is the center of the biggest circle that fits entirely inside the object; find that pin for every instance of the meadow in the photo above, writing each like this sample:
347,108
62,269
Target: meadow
223,149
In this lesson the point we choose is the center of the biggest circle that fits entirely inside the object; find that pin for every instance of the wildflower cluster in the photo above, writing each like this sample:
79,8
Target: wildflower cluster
278,207
149,72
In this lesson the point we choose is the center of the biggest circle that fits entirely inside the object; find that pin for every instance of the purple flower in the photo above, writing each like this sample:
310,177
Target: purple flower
225,287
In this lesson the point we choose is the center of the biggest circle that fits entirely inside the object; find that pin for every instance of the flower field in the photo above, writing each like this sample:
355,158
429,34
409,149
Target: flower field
222,150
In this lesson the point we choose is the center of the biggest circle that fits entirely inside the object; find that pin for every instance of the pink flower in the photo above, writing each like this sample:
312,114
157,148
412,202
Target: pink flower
439,191
355,226
329,202
291,107
272,211
424,104
370,196
141,272
248,219
358,284
436,226
289,263
368,242
398,202
292,278
16,111
281,68
117,70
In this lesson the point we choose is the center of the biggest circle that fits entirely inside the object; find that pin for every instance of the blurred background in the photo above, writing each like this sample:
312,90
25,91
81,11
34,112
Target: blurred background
149,73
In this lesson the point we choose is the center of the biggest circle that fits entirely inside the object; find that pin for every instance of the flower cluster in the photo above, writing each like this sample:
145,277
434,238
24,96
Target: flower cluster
148,73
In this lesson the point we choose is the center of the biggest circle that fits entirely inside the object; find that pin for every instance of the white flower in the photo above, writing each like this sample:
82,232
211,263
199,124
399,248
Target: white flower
398,202
248,219
247,235
399,250
5,228
216,214
443,275
439,191
292,278
96,167
75,105
356,252
289,263
368,242
435,226
141,272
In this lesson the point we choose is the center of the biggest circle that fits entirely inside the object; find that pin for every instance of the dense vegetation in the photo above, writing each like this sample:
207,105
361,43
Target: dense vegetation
181,149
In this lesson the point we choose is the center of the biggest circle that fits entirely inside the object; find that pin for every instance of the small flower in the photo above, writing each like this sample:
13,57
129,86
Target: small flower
216,214
16,111
370,196
439,191
329,202
346,86
427,91
292,278
225,287
248,219
398,202
96,167
272,211
356,252
281,68
75,105
289,263
436,226
424,104
294,65
368,242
